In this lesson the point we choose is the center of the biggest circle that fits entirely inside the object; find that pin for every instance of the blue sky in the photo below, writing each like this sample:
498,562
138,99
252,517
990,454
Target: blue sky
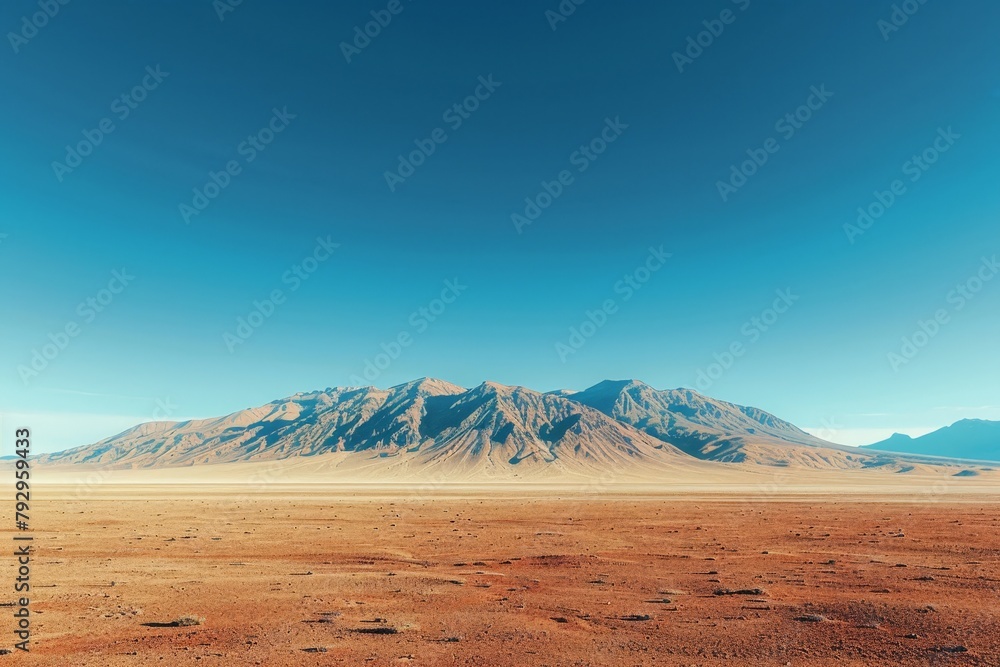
619,141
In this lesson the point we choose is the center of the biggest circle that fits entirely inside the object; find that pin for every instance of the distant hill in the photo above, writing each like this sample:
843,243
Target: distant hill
976,439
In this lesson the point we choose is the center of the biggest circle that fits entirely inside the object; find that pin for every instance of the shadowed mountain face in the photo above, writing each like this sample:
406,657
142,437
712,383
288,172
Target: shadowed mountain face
714,430
976,439
491,430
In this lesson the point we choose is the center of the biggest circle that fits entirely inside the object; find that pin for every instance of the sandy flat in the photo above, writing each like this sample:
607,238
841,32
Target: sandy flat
381,575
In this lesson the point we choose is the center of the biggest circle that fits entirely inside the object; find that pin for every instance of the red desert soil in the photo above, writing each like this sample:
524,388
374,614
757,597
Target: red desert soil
310,577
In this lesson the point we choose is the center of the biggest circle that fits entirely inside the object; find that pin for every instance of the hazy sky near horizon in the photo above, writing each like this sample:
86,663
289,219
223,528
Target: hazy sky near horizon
608,199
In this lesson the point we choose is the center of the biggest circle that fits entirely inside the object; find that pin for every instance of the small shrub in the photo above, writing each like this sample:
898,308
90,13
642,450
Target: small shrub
187,620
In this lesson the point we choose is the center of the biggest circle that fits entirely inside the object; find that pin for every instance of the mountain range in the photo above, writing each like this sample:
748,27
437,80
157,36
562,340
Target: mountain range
489,431
976,439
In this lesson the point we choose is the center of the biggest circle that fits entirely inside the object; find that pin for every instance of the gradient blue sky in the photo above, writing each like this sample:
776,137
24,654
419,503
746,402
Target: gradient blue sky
158,349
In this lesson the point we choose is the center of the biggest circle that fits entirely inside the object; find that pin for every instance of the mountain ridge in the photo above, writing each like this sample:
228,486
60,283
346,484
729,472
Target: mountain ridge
488,431
973,439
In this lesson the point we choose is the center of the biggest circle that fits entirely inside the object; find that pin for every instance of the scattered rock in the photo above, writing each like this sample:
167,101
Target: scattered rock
811,618
739,591
376,631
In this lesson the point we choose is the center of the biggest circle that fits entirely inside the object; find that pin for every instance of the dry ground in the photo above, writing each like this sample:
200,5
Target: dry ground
309,576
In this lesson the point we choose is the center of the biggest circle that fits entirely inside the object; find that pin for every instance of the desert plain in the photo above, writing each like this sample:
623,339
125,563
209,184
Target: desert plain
317,574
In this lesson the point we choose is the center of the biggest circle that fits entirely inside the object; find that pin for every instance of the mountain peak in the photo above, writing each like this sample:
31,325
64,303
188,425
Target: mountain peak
605,394
619,385
492,388
426,386
974,423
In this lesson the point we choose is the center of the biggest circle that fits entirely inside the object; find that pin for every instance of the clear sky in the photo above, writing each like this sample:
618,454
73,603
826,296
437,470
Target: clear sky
217,158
